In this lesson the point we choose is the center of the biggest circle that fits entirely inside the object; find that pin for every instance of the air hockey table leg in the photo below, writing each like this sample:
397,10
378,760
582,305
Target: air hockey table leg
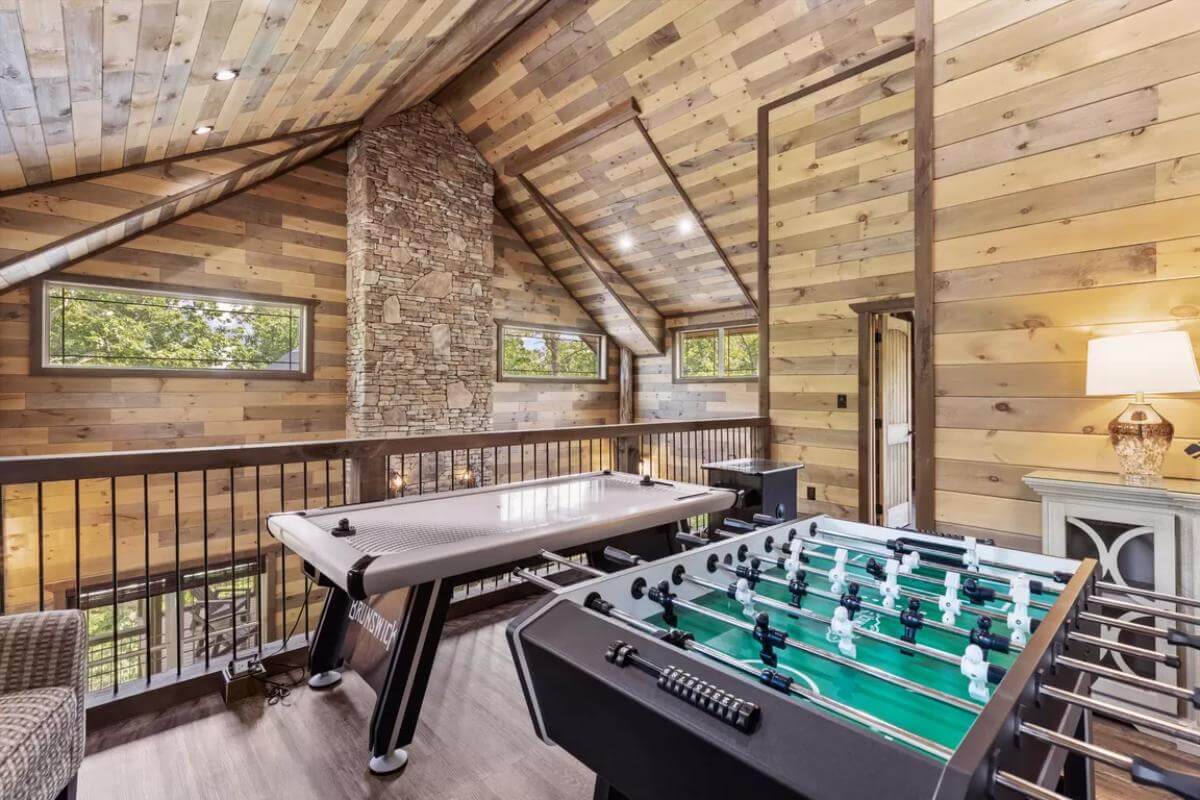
325,655
394,721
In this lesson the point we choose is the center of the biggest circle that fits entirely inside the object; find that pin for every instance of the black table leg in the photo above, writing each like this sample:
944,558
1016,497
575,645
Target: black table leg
412,652
605,791
325,654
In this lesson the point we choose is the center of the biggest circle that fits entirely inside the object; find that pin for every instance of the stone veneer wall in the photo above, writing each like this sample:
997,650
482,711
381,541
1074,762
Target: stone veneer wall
420,331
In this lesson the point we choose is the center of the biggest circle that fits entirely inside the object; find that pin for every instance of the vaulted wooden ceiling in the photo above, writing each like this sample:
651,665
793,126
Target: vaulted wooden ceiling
699,70
92,85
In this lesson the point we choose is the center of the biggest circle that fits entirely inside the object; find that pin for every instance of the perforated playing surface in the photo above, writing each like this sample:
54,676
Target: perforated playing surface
925,716
514,509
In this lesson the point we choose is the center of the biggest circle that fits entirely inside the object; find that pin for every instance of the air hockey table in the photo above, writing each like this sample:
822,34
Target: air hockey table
391,568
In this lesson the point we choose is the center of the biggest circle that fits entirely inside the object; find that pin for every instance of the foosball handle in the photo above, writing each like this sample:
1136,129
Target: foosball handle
1179,784
693,539
735,524
1176,636
619,556
767,519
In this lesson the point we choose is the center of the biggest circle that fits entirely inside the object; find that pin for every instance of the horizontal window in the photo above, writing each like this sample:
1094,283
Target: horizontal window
110,326
532,353
720,353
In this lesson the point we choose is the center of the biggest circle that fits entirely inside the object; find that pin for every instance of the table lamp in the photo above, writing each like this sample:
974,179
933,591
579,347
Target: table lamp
1139,364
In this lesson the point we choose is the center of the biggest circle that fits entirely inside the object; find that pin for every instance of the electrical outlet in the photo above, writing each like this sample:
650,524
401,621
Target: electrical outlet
841,401
810,492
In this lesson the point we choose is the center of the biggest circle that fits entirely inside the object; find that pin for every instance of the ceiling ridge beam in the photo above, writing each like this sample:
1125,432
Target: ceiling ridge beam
91,176
68,250
586,252
691,207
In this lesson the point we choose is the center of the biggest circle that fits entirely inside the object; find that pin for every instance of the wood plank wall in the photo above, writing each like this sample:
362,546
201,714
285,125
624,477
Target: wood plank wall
284,237
527,292
658,397
698,70
1067,207
841,232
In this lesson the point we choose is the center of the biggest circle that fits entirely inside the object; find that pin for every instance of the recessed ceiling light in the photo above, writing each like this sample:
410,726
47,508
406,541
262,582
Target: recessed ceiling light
625,242
686,224
225,74
203,129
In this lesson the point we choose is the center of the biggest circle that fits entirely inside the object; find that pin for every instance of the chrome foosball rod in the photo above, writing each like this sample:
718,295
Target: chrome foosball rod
744,592
943,556
566,562
768,677
1026,787
830,622
1172,635
872,582
1116,588
771,638
1144,609
1140,770
904,591
1123,714
852,602
1127,649
982,593
1148,684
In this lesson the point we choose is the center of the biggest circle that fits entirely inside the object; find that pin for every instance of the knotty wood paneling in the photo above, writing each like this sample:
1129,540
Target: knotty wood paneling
657,397
699,71
527,292
841,232
1067,187
284,237
92,85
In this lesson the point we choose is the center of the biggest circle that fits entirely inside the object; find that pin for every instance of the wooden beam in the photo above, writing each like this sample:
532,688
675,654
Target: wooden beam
691,207
607,275
480,29
763,148
553,274
924,417
601,123
102,236
39,187
625,403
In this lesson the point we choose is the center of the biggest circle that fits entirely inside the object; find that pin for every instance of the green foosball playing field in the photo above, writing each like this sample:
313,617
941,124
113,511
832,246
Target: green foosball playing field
943,721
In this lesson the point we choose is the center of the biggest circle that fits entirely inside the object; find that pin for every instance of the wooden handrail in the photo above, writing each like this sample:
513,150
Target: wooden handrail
31,469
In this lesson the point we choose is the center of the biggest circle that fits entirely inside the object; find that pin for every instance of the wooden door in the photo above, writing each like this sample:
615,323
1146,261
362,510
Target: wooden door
895,405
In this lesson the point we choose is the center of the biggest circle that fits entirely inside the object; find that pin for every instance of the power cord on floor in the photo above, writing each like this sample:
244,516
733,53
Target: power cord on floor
275,690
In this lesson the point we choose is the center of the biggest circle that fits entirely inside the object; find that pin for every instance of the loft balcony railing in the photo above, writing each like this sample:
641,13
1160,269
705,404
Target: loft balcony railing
167,550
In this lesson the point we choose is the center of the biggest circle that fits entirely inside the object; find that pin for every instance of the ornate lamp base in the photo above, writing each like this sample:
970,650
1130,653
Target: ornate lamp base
1141,436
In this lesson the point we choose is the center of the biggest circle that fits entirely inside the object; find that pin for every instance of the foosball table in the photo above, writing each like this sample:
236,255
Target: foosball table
824,659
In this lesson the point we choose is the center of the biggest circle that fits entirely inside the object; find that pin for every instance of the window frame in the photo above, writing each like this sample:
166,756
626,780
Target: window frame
38,340
501,324
677,335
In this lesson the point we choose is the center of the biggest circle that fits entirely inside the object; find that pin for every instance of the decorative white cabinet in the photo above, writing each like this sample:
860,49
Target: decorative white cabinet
1144,537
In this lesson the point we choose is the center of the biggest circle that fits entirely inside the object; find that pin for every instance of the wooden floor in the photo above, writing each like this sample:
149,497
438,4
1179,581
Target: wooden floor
474,742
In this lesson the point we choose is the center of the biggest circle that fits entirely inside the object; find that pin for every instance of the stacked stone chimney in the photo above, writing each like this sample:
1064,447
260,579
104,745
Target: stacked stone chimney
420,333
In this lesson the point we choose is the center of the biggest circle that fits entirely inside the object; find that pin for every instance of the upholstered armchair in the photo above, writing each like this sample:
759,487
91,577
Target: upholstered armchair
42,674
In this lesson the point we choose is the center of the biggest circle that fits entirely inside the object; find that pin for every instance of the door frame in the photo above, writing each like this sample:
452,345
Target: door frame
867,499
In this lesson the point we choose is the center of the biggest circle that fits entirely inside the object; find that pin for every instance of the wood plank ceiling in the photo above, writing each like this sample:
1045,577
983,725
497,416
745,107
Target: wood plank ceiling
699,70
92,85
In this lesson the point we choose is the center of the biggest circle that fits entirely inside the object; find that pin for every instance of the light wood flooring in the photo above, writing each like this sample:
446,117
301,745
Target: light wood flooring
474,743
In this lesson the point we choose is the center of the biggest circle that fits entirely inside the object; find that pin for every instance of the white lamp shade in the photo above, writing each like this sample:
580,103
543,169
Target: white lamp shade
1155,363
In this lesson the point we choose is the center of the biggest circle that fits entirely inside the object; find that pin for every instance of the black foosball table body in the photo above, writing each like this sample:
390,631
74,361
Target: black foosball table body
649,738
391,568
